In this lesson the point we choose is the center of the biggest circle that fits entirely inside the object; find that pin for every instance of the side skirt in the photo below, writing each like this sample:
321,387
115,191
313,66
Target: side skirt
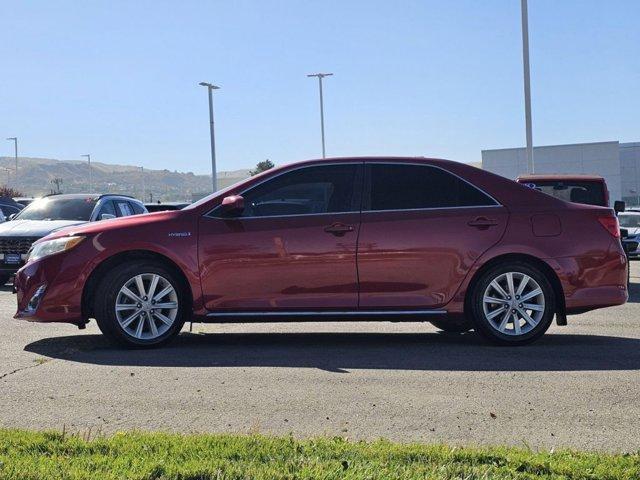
323,316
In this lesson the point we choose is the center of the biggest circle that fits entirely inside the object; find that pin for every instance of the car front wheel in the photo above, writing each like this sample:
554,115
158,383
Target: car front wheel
513,304
140,304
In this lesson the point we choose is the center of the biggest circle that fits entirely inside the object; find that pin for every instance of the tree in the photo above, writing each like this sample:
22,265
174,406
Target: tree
10,192
262,167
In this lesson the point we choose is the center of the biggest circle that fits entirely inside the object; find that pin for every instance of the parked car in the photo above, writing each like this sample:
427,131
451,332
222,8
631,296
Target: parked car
161,207
587,189
577,188
52,213
24,201
630,221
8,208
357,238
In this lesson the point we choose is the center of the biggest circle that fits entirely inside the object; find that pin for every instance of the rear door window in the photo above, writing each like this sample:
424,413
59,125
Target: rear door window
123,208
137,208
408,187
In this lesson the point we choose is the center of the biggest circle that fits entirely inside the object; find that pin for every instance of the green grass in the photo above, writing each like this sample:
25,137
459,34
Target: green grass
47,455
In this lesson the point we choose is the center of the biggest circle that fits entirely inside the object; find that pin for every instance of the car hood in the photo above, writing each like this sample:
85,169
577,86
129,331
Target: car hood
34,228
114,224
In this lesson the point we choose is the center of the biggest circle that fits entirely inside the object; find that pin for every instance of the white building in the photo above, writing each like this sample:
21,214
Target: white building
618,163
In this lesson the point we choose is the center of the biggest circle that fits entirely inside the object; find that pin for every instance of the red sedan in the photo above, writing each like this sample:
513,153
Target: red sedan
354,238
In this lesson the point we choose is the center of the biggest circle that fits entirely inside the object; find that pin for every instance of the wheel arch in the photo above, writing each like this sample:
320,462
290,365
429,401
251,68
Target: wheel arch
88,292
543,266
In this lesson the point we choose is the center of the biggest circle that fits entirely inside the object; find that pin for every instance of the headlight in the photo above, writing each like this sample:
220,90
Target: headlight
49,247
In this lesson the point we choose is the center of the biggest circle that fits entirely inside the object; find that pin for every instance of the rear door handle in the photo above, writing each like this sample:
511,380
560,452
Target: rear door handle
482,223
338,229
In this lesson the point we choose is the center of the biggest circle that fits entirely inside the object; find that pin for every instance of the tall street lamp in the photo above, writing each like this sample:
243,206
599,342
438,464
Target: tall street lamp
88,157
527,84
214,173
320,77
15,151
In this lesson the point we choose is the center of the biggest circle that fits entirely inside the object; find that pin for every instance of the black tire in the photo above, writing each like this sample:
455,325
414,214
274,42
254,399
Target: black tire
107,293
4,278
486,328
451,325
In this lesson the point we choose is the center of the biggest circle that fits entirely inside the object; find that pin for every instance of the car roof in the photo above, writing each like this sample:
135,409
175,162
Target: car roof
503,190
562,177
95,196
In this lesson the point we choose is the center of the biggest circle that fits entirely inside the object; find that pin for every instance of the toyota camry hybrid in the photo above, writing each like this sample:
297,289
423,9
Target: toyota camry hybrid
409,239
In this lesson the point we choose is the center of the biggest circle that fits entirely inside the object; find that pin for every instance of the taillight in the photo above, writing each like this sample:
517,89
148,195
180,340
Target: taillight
611,225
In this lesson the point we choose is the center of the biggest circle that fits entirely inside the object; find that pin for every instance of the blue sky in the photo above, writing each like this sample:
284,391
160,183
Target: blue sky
118,79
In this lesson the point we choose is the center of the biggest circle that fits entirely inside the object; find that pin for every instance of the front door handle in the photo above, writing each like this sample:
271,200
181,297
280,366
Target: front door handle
482,223
338,229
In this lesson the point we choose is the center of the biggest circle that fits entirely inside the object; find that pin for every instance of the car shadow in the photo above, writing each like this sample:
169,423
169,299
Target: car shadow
341,352
634,290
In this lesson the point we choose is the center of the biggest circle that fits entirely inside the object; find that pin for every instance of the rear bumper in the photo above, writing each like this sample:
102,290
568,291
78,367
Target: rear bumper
591,282
598,297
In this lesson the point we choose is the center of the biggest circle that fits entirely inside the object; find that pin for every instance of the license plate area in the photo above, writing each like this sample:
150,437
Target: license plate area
12,258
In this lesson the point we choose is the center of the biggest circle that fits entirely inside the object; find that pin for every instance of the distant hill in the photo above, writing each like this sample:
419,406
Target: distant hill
36,174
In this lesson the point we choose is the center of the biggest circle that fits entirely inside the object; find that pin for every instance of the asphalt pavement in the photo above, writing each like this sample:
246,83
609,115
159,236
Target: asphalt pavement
578,387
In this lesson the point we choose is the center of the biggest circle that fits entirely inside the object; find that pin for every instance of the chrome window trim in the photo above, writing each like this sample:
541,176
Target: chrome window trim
364,163
463,207
208,214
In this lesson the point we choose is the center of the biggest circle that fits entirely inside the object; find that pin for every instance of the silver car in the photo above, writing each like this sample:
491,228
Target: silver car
54,212
630,221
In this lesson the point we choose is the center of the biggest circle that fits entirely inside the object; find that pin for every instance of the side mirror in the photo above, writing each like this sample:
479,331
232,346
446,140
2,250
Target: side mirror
233,204
619,206
12,216
107,216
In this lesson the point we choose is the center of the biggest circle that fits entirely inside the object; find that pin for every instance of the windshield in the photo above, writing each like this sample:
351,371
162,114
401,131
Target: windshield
629,221
51,208
591,193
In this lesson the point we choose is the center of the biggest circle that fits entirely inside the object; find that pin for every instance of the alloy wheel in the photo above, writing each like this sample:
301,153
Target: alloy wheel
513,303
146,306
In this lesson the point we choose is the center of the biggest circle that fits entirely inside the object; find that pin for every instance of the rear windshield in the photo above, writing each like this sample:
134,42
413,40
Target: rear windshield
629,221
591,193
50,208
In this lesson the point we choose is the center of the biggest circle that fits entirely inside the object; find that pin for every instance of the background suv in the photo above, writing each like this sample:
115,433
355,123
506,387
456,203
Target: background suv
355,238
54,212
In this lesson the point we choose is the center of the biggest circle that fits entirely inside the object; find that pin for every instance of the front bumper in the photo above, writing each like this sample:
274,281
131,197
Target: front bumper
61,298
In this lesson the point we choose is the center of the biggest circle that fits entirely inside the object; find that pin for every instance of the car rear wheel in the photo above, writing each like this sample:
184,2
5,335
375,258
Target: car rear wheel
513,304
140,304
4,278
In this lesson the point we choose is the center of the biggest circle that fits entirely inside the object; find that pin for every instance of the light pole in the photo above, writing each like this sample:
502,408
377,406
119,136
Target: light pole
15,151
527,84
143,186
214,173
320,77
88,157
